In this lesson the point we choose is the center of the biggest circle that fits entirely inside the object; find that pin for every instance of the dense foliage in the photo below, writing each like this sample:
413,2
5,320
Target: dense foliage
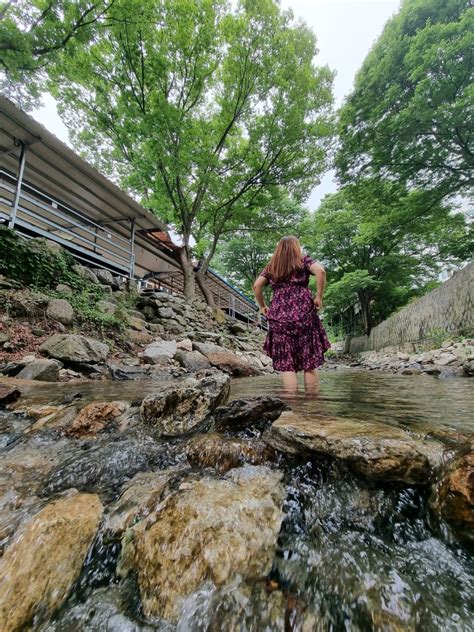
411,114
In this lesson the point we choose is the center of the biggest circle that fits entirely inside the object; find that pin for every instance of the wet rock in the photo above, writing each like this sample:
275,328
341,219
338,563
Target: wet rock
95,418
60,310
8,394
453,496
75,348
468,368
181,407
224,453
40,566
376,451
192,360
258,412
209,529
160,352
124,372
85,273
105,466
104,276
42,370
138,498
11,369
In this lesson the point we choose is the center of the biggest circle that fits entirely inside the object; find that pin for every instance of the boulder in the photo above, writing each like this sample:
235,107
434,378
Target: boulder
160,352
95,418
375,451
258,412
225,360
468,368
237,328
125,372
41,564
138,324
137,337
105,466
106,307
60,310
75,348
4,337
185,345
219,530
192,360
42,370
443,359
64,289
453,496
219,315
85,273
105,277
166,312
224,453
181,407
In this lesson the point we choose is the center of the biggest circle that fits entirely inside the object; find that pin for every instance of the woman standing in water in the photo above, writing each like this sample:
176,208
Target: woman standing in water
296,340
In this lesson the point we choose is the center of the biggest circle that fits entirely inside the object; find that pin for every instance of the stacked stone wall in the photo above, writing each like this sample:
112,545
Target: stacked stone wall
448,310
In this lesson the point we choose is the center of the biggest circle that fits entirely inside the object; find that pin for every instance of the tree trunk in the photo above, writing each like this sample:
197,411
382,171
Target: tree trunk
365,311
202,282
188,276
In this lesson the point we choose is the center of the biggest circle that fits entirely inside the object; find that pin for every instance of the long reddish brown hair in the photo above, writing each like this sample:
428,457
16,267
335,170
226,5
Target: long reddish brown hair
286,259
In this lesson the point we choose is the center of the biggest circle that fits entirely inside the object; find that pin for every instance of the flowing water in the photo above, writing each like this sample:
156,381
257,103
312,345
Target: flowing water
351,555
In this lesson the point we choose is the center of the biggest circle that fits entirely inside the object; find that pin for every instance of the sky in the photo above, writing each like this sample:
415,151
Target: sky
345,30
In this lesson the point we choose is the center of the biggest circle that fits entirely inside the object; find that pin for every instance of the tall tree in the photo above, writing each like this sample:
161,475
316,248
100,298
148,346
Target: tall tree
410,115
34,33
381,243
204,108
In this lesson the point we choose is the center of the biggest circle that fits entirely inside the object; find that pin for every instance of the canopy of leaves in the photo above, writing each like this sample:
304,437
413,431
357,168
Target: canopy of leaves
381,244
411,114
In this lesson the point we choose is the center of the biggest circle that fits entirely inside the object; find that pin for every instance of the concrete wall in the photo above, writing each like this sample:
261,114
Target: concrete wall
448,309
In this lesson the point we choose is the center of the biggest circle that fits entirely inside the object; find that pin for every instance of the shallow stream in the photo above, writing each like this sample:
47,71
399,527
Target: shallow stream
351,555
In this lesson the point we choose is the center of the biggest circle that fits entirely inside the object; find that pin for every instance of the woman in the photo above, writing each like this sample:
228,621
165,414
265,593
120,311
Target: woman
296,339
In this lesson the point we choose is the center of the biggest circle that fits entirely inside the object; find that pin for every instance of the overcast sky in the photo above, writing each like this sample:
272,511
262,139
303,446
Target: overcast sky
346,30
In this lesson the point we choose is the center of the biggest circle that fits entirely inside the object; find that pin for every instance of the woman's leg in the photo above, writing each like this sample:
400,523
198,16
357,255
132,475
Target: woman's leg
289,380
311,380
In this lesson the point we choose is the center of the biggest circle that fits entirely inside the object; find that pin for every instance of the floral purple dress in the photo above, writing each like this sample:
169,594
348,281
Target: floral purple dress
296,340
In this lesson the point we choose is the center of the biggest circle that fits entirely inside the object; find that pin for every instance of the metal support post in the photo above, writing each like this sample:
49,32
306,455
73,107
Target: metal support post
19,182
132,249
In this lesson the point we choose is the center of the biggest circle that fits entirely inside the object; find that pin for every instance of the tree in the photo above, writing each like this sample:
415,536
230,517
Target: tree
381,243
410,115
34,33
204,108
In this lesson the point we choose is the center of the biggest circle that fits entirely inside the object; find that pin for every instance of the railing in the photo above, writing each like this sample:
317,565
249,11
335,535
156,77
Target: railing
40,214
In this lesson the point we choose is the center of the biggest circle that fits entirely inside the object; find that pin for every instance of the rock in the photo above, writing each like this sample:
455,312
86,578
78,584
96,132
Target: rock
259,412
106,307
136,323
219,530
85,273
453,496
75,348
64,289
166,312
192,360
444,359
137,337
60,310
225,360
138,498
224,453
105,466
180,407
219,316
8,394
237,328
375,451
42,370
40,566
3,338
160,352
104,276
124,372
95,418
149,312
184,345
468,368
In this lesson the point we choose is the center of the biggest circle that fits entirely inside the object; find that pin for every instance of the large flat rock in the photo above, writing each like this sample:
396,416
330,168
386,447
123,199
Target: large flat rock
376,451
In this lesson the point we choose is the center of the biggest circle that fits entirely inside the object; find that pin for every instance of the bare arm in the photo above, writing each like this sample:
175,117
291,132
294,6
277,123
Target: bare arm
257,288
320,274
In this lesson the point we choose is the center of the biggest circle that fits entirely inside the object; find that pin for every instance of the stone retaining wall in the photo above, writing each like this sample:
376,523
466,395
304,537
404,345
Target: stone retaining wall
448,309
